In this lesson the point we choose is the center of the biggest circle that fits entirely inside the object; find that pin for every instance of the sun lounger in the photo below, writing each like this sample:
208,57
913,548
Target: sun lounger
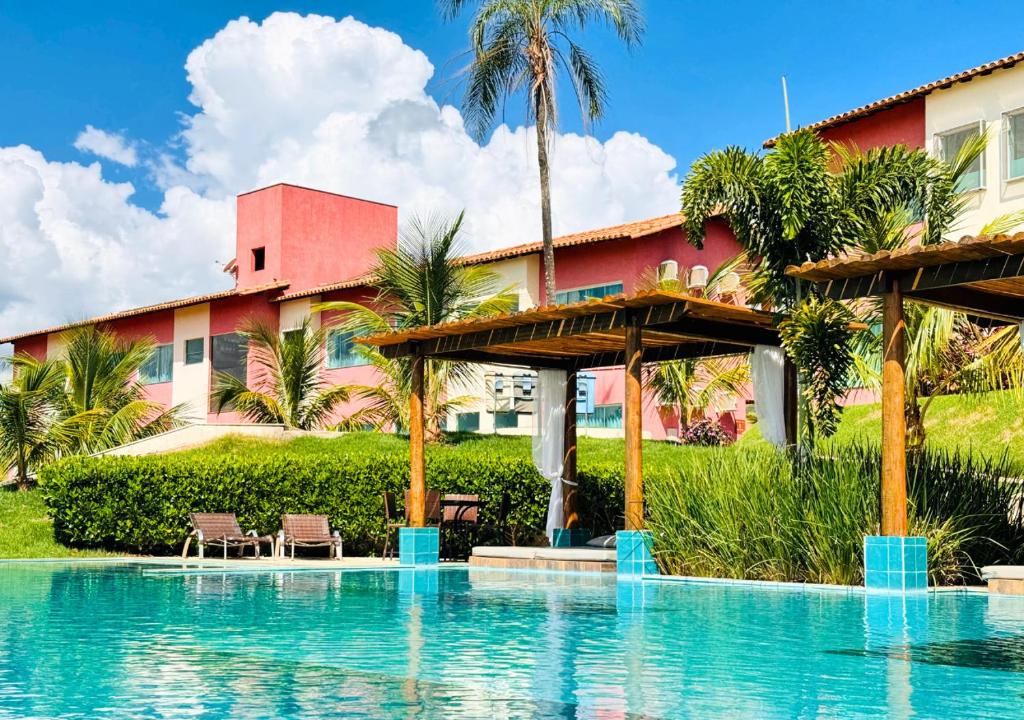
308,531
222,530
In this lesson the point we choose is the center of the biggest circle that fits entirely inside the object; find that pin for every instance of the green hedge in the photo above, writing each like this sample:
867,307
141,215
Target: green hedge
141,504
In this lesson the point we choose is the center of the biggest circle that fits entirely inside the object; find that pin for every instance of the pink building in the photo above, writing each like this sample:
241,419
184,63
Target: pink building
296,247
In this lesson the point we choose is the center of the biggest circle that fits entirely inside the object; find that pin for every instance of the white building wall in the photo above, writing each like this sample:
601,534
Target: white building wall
985,99
293,312
55,344
191,383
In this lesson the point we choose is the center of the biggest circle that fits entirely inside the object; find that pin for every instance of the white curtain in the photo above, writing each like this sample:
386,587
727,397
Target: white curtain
548,438
767,369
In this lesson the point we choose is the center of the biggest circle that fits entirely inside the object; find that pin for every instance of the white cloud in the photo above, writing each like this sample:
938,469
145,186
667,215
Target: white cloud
111,146
331,104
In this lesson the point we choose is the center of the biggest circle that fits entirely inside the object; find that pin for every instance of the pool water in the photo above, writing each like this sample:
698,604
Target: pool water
140,641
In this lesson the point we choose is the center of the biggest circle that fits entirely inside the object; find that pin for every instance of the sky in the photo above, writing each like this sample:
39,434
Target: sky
128,127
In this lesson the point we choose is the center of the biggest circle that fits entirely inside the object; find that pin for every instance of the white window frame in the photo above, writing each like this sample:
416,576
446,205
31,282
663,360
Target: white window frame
588,287
1005,142
978,125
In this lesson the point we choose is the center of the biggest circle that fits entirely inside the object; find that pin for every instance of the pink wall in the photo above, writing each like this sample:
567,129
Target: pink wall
158,327
34,346
625,260
310,237
900,124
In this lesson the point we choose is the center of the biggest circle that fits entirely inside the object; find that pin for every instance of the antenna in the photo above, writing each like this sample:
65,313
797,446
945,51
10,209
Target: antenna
785,101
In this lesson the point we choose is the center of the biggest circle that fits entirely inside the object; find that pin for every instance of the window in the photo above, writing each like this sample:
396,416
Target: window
290,335
564,297
503,420
604,416
341,351
158,368
195,351
467,422
228,354
259,258
1015,145
950,144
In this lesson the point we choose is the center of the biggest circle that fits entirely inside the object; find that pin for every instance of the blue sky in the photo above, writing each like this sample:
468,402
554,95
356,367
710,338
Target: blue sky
190,106
706,76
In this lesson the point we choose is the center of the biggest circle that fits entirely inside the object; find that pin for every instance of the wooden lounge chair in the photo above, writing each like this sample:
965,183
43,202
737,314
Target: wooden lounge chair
308,531
392,523
222,530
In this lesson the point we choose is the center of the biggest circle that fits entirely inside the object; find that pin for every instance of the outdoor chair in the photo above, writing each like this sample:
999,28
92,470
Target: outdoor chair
308,531
460,522
222,530
392,522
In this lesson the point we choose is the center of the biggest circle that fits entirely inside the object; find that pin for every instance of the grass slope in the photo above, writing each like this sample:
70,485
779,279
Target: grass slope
26,531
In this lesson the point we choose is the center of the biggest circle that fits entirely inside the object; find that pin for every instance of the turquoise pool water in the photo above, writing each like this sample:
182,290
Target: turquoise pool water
140,641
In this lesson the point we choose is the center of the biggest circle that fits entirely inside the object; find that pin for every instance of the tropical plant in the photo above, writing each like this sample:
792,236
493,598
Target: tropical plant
816,335
30,429
103,391
287,387
807,199
419,283
522,46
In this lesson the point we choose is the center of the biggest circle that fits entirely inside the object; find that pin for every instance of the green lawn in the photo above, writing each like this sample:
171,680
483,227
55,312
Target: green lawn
26,531
990,425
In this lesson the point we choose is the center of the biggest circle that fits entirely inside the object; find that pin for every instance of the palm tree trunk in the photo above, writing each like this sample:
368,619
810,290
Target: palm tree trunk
22,472
545,204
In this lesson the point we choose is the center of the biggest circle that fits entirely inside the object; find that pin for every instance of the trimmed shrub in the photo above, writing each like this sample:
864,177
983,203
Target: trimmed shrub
706,433
141,504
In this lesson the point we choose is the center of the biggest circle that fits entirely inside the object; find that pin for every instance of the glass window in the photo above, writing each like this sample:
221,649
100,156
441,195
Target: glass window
506,420
228,354
158,368
342,351
567,297
194,351
467,422
604,416
1015,145
950,144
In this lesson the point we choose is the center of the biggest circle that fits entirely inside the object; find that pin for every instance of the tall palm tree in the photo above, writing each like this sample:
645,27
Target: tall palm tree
31,431
421,282
287,387
522,46
102,384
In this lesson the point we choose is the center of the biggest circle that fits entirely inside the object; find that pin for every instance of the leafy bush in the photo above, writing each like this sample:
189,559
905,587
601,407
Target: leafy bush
705,432
142,503
768,515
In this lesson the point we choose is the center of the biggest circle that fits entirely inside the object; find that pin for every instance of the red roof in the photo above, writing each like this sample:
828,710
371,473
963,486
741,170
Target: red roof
907,95
170,305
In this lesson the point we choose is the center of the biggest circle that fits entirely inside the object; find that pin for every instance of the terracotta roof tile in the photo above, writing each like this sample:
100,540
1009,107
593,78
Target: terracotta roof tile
170,305
908,95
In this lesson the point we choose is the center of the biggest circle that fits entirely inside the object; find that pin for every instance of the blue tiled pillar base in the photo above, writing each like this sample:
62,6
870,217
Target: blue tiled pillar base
562,537
418,546
633,553
895,564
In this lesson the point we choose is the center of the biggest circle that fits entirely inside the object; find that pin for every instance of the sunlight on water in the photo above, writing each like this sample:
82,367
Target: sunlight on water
133,641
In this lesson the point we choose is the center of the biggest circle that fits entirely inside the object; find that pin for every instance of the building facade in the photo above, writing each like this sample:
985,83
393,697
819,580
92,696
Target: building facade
296,247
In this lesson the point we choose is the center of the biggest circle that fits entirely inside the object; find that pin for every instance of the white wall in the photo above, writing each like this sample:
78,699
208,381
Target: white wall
984,98
55,344
293,312
191,385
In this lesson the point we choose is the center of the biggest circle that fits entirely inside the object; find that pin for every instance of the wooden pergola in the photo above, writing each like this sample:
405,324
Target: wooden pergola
618,330
982,277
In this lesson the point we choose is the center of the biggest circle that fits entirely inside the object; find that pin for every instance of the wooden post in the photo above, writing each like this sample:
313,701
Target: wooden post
632,417
894,421
417,481
790,399
569,499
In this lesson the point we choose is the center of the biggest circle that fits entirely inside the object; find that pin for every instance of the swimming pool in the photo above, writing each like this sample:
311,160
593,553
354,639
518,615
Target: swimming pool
130,641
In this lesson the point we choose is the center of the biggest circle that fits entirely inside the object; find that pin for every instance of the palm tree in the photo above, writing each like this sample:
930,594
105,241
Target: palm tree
31,432
287,388
807,199
101,373
521,46
421,282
